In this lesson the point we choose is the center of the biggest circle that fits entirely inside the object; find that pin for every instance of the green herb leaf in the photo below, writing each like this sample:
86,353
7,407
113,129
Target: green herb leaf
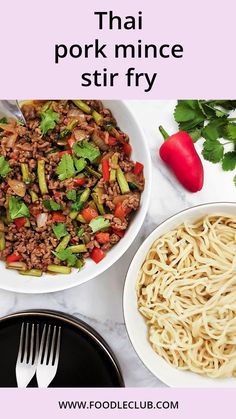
229,161
51,205
65,169
66,255
99,223
213,151
71,195
4,167
80,164
86,150
77,206
188,114
49,118
231,132
59,230
215,129
17,208
3,120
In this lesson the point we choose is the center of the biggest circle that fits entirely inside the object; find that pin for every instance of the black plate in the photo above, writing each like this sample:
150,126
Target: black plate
85,358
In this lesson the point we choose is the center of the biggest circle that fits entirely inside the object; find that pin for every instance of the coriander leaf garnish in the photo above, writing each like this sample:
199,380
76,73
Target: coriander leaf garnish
59,230
213,151
86,150
215,129
4,167
71,195
66,255
231,132
49,118
65,169
17,208
51,205
229,161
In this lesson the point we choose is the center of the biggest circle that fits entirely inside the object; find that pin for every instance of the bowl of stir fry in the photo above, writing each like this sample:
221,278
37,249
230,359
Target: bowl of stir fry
74,191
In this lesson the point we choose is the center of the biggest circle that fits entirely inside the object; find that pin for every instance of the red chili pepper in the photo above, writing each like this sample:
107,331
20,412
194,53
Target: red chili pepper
88,214
179,153
97,255
71,141
79,181
105,170
56,194
138,168
103,238
20,222
118,231
120,211
61,153
34,211
127,149
58,217
112,140
13,258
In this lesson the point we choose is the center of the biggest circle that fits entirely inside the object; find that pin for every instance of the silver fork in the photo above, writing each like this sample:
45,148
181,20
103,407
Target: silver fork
48,355
27,358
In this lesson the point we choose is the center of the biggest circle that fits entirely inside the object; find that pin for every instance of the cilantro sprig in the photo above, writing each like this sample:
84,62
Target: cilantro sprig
4,167
49,119
211,120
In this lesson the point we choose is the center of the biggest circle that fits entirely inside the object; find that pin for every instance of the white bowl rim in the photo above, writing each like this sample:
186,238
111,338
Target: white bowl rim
150,239
127,243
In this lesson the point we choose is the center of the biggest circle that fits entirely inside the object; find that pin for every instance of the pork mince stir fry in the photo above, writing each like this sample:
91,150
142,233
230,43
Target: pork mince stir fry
68,186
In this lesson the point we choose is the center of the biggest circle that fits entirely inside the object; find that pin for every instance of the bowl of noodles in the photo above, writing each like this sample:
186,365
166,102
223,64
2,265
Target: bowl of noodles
180,298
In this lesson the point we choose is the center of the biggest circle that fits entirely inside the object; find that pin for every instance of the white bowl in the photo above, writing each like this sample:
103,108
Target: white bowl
12,281
135,323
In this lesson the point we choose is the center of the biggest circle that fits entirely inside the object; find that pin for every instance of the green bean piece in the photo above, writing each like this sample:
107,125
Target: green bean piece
63,243
59,269
92,204
80,232
32,272
99,206
123,184
73,214
72,124
2,240
79,263
98,118
34,196
85,195
93,172
25,173
82,105
79,248
114,161
81,219
19,266
41,177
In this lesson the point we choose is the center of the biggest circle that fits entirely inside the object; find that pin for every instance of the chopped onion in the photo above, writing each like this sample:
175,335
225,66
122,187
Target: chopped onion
17,186
76,113
41,219
80,135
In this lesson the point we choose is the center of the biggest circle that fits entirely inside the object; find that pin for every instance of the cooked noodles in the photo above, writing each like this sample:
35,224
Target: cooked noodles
187,293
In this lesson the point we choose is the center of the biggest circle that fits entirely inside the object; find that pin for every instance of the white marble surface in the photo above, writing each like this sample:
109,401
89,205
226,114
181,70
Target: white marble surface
99,302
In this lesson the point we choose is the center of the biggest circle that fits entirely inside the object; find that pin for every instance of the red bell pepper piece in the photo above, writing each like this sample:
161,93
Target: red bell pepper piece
112,140
127,149
105,170
58,217
20,222
61,153
71,141
13,258
103,238
79,181
118,231
138,168
97,255
56,194
88,214
179,153
121,211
